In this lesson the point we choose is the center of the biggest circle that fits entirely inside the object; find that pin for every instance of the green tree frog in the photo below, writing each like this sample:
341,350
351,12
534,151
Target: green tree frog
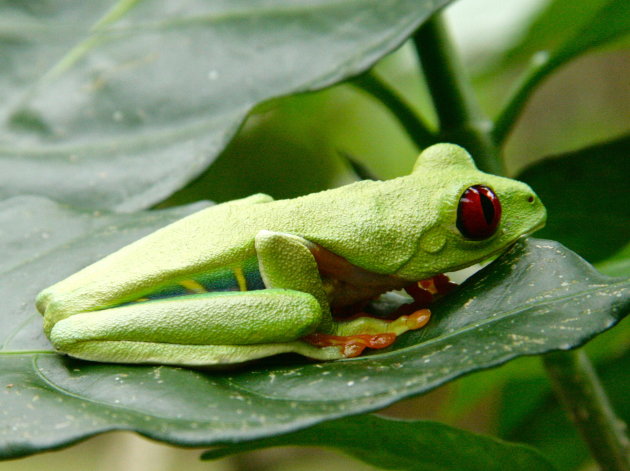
256,277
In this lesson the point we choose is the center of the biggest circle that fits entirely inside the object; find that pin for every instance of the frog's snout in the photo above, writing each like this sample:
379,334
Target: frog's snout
534,203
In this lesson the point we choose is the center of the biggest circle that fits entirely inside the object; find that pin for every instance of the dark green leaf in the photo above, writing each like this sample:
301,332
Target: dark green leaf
535,298
42,242
118,104
406,445
530,379
284,153
585,194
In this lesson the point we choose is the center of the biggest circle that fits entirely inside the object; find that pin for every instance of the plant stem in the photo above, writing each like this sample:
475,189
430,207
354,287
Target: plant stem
577,385
461,120
415,127
539,69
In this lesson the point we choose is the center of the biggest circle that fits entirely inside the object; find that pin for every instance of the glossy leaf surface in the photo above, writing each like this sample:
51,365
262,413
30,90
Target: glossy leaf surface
125,102
535,298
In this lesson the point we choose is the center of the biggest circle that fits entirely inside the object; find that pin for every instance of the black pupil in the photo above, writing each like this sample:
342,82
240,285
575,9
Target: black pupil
487,207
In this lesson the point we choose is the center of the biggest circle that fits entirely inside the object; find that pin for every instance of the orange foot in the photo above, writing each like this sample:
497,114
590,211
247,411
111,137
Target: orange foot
353,345
424,291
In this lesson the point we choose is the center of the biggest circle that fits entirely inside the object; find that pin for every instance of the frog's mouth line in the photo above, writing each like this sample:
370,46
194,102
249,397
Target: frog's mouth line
495,253
504,248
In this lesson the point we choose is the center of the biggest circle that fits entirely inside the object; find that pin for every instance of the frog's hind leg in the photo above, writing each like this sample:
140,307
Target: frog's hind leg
287,261
196,330
351,337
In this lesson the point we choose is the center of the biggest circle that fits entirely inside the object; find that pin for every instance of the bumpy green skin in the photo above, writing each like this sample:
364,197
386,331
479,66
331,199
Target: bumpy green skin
403,227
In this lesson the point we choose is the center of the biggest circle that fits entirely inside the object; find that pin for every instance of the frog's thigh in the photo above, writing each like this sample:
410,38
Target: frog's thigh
152,332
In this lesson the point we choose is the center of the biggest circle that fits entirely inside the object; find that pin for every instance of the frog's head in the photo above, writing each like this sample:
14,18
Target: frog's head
477,215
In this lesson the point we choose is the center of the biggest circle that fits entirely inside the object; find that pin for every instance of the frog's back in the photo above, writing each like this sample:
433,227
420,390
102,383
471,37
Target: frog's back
350,220
213,249
374,225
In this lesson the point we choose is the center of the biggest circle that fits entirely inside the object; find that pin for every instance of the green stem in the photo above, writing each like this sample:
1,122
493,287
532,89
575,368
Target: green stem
460,117
414,126
579,389
539,69
462,122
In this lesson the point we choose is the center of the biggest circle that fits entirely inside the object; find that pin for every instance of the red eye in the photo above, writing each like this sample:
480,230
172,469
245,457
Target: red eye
478,213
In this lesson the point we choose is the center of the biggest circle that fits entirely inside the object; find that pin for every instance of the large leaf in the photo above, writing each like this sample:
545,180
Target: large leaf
124,102
285,152
406,445
536,297
584,193
42,242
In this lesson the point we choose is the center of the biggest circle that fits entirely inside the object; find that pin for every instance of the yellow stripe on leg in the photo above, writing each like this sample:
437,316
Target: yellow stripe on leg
240,278
192,285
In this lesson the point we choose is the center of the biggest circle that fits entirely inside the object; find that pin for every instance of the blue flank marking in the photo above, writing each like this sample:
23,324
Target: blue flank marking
167,292
252,275
220,280
216,281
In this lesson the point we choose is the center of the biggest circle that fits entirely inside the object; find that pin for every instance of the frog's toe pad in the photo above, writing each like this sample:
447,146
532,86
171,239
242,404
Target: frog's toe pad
417,320
351,345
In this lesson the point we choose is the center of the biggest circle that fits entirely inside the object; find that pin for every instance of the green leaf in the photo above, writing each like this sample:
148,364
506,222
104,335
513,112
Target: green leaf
608,23
262,158
125,102
531,382
584,193
536,297
405,445
42,242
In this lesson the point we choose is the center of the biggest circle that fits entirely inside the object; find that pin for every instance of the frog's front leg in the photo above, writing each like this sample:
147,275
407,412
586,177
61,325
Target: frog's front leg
288,261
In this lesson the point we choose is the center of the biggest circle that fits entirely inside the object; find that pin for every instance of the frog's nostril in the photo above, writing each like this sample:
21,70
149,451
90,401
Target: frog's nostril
531,199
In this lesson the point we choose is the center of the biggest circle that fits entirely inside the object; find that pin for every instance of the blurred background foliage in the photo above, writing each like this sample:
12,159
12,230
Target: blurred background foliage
296,145
585,102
